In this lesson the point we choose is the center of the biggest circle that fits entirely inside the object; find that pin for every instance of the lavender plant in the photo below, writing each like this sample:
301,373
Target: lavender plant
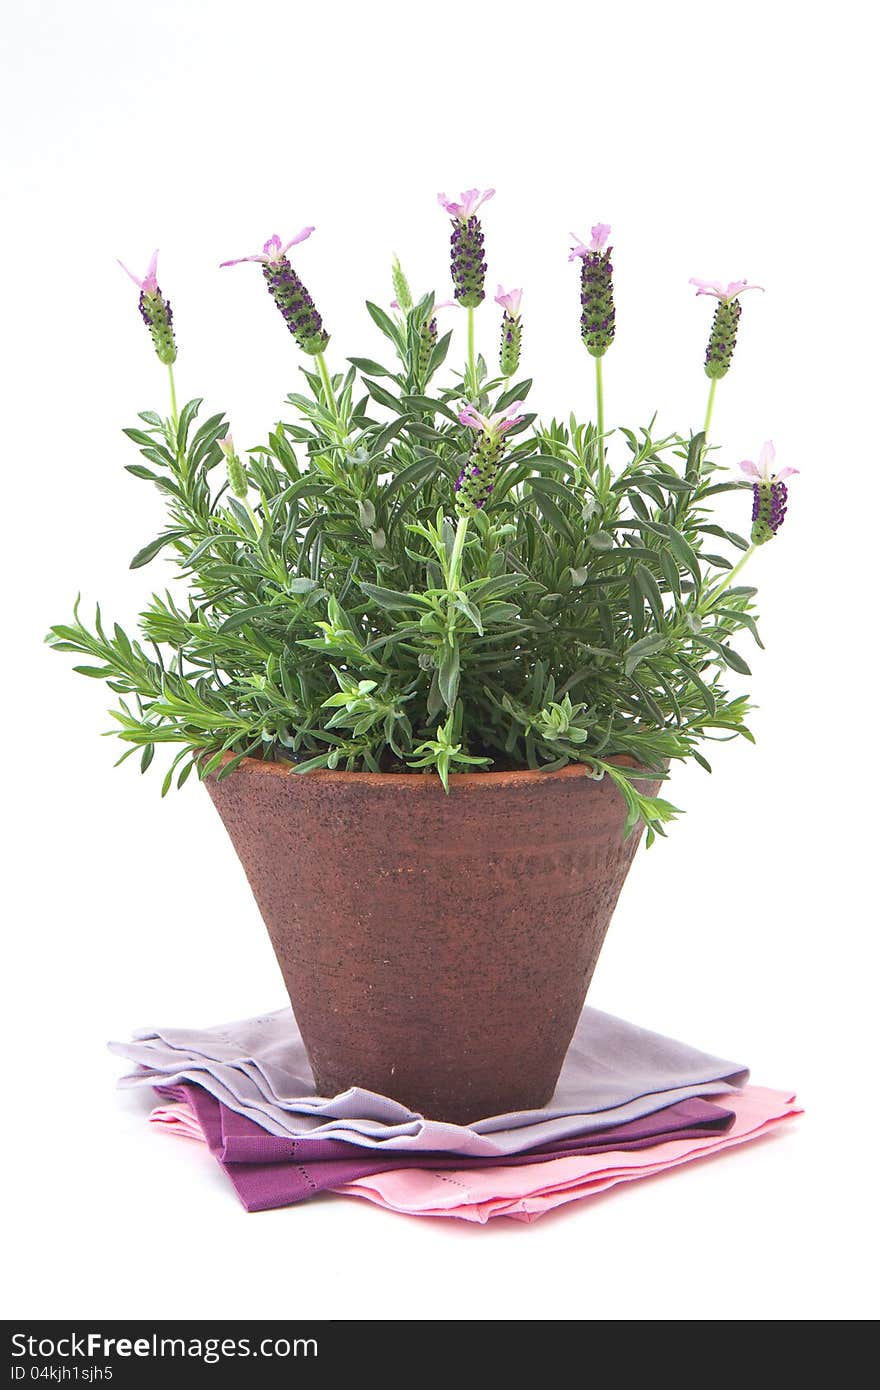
413,575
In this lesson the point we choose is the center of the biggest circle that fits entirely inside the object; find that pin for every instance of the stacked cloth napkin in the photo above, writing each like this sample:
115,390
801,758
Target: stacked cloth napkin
629,1103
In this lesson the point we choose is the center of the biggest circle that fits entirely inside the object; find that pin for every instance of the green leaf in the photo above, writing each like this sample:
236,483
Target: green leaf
426,403
448,674
651,645
600,540
187,415
727,654
312,763
695,456
369,367
670,572
553,513
385,324
651,590
383,397
514,393
471,612
703,690
394,598
414,475
139,437
151,550
684,554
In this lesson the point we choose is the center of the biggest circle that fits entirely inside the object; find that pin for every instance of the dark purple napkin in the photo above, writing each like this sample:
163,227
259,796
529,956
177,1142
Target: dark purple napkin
267,1171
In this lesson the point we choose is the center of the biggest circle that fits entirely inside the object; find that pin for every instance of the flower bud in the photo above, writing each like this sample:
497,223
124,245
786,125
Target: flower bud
511,329
402,291
427,344
238,485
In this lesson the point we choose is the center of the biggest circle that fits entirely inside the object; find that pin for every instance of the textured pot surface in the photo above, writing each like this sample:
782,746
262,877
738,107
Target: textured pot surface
437,949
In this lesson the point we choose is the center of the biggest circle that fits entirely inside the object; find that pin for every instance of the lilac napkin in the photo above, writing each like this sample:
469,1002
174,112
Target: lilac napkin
278,1172
614,1072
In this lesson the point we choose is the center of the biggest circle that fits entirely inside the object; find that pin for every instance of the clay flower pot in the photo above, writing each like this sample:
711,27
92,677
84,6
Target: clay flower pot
436,949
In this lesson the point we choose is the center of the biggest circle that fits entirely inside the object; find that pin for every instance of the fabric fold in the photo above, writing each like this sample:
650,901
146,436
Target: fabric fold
615,1072
301,1173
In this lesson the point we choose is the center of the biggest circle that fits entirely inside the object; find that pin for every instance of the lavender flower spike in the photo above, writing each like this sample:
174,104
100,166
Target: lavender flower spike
597,289
468,266
770,494
155,312
722,337
476,481
511,329
234,469
289,293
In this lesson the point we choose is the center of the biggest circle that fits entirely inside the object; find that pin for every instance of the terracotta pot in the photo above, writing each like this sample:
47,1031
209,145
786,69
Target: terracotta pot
437,949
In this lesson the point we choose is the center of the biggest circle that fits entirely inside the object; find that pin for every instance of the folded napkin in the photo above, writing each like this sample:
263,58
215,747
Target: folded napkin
292,1170
615,1072
527,1192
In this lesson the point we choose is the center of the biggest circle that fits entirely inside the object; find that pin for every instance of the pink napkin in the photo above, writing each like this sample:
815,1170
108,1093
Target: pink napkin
528,1192
178,1118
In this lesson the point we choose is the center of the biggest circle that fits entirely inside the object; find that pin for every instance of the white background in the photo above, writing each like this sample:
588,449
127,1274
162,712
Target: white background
720,141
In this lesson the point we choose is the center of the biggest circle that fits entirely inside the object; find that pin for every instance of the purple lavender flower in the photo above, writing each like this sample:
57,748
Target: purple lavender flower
511,329
770,495
155,312
468,266
289,293
597,289
722,336
476,481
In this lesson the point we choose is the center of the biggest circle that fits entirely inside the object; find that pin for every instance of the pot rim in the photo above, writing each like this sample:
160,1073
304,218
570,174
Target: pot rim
427,781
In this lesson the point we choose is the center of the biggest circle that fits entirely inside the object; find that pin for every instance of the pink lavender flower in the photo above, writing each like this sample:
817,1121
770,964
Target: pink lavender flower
510,301
471,202
155,312
598,237
273,249
597,289
511,329
289,293
497,424
720,290
722,335
476,481
467,263
770,495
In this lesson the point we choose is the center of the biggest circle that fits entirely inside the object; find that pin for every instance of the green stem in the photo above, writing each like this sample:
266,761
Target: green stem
327,384
454,576
600,416
716,593
175,418
710,406
472,367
